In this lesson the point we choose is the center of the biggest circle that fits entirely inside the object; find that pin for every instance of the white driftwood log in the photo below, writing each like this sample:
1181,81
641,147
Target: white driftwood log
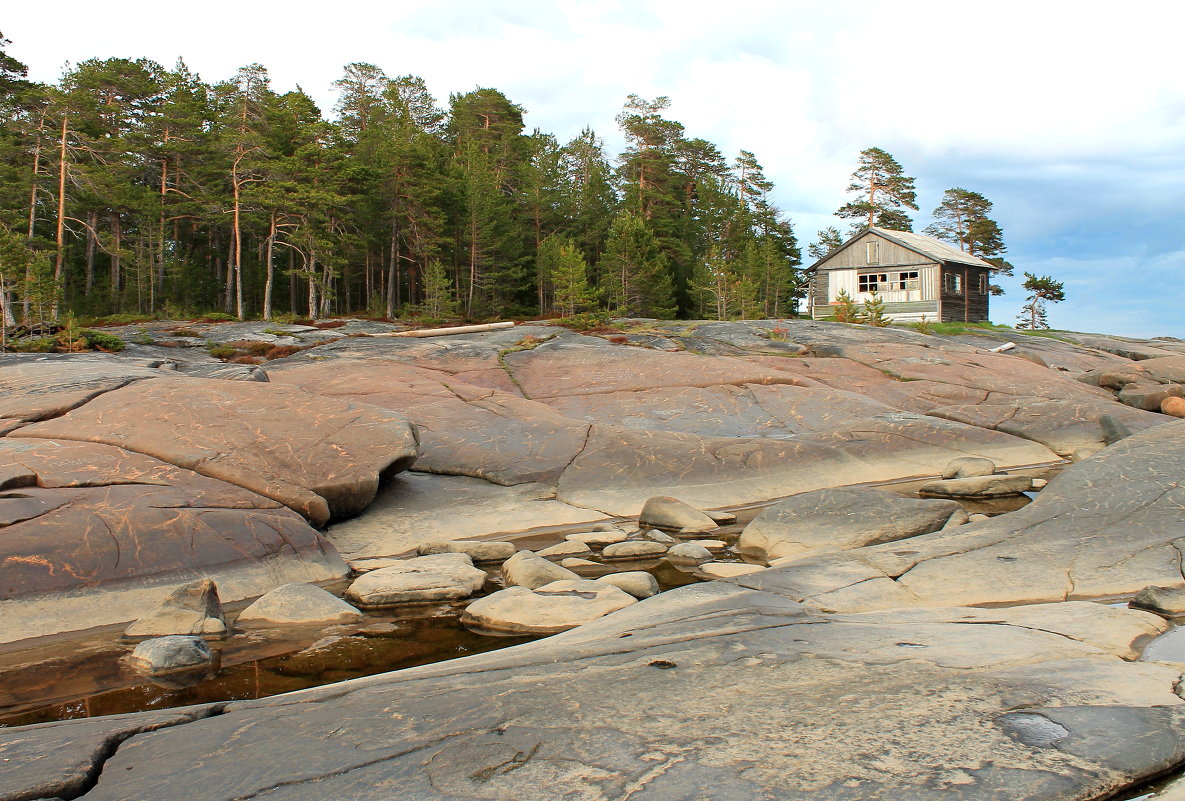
443,332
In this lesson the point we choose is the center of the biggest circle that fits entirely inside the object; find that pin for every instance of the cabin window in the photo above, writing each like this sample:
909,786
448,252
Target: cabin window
907,280
953,283
873,252
983,283
873,282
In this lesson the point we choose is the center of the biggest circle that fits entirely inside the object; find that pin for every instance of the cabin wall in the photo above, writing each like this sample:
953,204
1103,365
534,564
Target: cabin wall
969,303
856,255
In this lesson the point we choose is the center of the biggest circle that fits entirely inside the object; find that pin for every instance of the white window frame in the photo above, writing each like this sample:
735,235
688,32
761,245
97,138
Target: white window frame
872,252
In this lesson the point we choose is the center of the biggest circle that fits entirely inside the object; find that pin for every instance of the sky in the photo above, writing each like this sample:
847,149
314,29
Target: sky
1070,119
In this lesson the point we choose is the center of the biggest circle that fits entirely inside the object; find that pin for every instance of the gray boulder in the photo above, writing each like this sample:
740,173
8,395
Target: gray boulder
171,654
1114,429
977,487
528,569
477,550
550,609
192,608
598,538
672,514
966,466
564,549
423,579
298,604
688,553
635,549
840,519
1162,600
637,583
1148,396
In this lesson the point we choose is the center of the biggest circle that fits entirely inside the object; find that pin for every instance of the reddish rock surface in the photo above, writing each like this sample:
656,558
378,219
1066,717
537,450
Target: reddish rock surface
319,456
91,534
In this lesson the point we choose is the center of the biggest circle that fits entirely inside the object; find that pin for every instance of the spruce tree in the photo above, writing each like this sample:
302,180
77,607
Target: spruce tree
633,271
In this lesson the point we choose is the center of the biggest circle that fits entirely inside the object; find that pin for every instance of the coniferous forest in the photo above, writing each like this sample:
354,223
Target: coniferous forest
131,188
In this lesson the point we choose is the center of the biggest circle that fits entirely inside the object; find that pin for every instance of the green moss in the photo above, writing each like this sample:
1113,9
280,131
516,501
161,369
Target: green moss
97,340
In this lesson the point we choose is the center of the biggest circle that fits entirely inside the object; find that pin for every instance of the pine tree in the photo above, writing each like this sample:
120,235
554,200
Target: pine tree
438,292
1041,290
883,191
827,242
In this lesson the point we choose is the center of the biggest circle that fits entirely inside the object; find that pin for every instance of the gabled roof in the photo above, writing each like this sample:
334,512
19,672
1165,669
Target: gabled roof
927,246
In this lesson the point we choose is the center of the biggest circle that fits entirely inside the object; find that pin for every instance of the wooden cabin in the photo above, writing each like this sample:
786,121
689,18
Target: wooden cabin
915,275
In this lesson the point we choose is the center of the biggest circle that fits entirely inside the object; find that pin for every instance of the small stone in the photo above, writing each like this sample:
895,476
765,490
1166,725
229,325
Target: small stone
1162,600
1040,483
1084,452
959,517
423,579
688,553
576,561
565,548
654,535
977,487
528,569
637,583
968,466
977,517
637,549
550,609
598,538
719,570
296,604
672,514
170,654
715,546
477,550
192,608
722,518
1113,428
1174,407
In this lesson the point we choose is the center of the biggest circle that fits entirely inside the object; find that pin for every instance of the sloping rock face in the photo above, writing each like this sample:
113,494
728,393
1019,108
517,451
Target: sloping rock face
315,455
1107,526
704,692
122,478
91,534
604,426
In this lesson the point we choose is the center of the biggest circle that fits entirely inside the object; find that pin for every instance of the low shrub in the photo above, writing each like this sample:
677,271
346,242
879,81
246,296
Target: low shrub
222,351
217,317
97,340
244,360
32,345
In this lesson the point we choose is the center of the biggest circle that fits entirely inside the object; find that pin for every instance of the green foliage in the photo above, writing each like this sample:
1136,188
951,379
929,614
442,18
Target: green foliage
222,317
1042,289
874,312
97,340
33,345
883,191
633,271
827,242
438,292
588,321
846,310
923,326
222,351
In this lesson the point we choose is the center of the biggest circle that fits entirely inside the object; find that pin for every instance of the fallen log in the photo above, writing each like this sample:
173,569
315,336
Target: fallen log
443,332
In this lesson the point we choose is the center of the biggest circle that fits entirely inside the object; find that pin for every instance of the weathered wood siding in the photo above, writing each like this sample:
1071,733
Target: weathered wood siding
969,305
856,255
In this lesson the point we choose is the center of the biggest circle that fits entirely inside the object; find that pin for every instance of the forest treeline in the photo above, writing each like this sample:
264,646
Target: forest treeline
131,188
